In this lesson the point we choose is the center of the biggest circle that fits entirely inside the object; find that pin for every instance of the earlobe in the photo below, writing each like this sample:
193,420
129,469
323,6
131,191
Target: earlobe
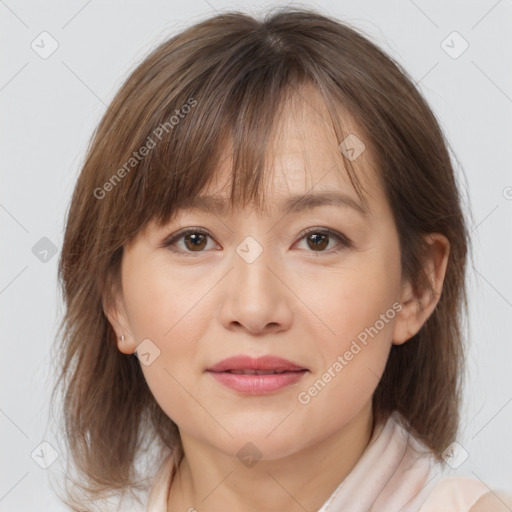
404,328
418,305
116,316
124,345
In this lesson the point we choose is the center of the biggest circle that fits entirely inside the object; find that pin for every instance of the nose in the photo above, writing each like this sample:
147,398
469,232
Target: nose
254,296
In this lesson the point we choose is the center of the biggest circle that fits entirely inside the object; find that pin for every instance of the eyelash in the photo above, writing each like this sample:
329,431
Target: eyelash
344,241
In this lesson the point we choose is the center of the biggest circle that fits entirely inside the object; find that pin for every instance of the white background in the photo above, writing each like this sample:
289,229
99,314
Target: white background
50,107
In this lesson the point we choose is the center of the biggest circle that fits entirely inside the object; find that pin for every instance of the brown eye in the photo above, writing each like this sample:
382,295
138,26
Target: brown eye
318,241
195,241
189,241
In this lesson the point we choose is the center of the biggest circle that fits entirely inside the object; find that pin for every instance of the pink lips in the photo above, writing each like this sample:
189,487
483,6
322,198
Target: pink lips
256,376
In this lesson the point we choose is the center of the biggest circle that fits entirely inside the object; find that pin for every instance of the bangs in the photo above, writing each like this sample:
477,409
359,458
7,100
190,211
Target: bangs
237,104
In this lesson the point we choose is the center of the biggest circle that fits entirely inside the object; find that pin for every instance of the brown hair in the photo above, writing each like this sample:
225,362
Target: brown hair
223,79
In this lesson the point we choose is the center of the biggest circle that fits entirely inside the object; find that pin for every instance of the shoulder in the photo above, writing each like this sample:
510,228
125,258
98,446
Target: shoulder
463,494
493,501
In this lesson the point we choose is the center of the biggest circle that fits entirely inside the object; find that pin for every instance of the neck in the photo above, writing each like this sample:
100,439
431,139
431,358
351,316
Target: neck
208,480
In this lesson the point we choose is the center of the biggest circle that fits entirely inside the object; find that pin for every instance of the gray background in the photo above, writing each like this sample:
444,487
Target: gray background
50,107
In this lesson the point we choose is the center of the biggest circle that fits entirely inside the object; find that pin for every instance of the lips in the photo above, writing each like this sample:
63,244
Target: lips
256,372
259,366
256,376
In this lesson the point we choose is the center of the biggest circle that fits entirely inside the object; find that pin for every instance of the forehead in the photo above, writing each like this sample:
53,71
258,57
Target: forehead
306,167
292,203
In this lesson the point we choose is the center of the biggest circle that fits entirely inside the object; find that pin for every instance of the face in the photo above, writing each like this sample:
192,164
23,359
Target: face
319,287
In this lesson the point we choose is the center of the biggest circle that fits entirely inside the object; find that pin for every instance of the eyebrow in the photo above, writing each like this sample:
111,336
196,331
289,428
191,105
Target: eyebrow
292,204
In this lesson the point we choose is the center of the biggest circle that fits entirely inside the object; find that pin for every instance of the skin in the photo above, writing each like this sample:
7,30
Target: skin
294,302
493,502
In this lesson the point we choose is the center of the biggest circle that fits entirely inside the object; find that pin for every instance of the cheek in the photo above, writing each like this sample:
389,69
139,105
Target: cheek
357,306
353,301
158,300
163,308
361,314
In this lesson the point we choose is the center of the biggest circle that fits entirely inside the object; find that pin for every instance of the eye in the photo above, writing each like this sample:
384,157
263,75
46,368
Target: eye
317,239
194,240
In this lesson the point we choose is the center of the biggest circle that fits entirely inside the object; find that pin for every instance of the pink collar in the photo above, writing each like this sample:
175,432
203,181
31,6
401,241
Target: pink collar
395,473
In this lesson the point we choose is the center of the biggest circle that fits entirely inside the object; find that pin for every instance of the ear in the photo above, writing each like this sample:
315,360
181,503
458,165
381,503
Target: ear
115,310
418,305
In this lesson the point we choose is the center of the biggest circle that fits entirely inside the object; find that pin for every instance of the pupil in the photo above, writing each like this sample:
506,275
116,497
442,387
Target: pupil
323,242
196,240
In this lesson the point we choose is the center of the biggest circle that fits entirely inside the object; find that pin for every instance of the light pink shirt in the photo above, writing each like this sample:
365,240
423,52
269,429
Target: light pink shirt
394,474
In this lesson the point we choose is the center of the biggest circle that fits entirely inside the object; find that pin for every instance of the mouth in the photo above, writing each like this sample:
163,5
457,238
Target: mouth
256,376
257,372
245,363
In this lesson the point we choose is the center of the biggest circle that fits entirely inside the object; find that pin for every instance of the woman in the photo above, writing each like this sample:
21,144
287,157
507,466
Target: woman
263,269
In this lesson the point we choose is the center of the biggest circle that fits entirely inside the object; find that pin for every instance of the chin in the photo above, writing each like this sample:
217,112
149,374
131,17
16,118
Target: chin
268,440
